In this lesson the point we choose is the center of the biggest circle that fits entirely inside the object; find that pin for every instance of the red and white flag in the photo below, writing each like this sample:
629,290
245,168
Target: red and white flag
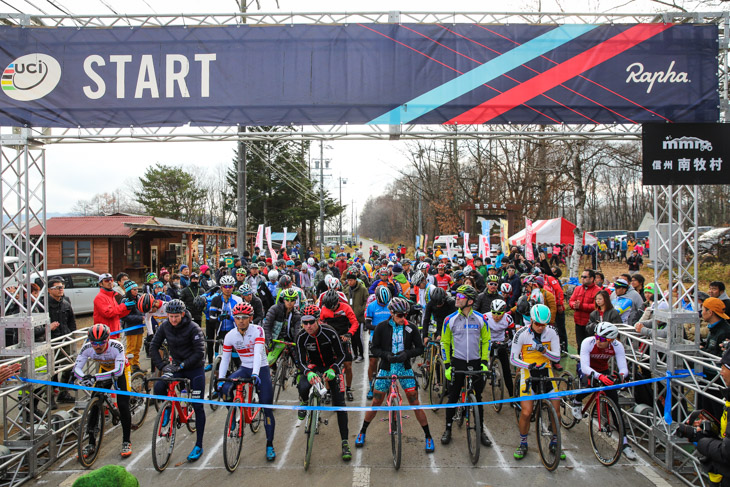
260,237
529,255
274,257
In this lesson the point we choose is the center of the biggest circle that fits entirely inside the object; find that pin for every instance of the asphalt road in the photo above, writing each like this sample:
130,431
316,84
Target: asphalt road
371,465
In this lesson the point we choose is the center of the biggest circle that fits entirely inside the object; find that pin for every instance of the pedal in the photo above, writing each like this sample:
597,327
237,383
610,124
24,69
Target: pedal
326,421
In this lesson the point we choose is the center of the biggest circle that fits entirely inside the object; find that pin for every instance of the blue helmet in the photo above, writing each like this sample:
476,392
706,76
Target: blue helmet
383,295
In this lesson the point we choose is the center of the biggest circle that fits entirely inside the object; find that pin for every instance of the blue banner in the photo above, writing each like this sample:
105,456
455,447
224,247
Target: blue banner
358,74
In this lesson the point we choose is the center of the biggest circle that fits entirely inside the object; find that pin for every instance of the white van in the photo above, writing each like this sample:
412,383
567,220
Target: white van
452,240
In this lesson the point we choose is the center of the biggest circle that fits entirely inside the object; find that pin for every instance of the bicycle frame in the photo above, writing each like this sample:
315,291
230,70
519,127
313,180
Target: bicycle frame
394,395
177,409
249,413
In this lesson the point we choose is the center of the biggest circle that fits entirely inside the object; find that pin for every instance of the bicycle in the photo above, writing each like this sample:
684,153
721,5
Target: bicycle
214,371
93,419
171,416
546,423
311,422
422,369
395,419
605,430
496,380
470,413
238,418
285,369
436,377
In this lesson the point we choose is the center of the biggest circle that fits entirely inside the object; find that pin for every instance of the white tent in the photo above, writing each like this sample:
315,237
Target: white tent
554,231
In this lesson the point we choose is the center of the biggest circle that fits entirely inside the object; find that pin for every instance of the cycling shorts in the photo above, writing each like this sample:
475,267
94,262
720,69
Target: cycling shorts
383,385
537,387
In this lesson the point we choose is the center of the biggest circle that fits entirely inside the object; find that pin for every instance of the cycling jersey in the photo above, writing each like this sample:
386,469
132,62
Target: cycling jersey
323,350
340,294
220,306
444,282
524,347
343,319
467,335
112,361
375,314
250,347
498,329
594,360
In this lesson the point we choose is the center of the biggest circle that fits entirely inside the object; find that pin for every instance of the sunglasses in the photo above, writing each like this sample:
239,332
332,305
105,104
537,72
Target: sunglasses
491,284
241,317
497,313
98,344
227,287
107,279
604,339
308,322
57,287
400,315
539,324
460,296
585,277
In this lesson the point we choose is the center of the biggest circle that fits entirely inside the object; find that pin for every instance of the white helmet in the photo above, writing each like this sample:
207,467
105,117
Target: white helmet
305,267
273,275
332,282
536,296
227,280
468,269
606,330
506,288
499,306
310,261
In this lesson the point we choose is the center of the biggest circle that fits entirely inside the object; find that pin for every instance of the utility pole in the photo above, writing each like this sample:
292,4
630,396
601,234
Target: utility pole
420,195
321,200
352,219
341,183
241,203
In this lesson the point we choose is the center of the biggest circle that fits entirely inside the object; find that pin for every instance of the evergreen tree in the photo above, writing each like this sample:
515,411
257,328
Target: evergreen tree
171,192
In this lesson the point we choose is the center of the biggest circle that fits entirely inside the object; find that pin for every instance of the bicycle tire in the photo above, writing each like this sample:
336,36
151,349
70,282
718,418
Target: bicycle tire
436,391
607,439
137,405
192,424
279,381
396,438
312,421
566,409
473,429
233,441
517,405
420,374
163,437
87,431
497,382
257,415
213,382
545,417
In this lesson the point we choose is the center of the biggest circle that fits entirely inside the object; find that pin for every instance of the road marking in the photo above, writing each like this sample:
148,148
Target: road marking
140,456
652,476
212,453
500,458
364,387
282,459
361,477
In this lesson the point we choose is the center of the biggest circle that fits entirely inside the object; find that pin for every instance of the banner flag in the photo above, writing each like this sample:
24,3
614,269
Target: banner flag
260,238
274,256
467,250
283,242
483,246
529,254
503,235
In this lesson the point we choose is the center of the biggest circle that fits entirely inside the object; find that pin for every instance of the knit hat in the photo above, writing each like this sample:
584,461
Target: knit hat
182,267
204,268
129,285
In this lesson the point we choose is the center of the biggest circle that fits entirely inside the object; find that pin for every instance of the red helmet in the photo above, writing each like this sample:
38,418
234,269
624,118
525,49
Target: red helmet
243,309
310,310
98,333
144,303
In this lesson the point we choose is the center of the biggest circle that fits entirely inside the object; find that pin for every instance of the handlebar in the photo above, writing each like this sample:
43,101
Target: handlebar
237,380
470,372
397,377
291,344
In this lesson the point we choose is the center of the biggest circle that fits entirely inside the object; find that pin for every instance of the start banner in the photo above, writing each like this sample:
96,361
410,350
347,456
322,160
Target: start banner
358,74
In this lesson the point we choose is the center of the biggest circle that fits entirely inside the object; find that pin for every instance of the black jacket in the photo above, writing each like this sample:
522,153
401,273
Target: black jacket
718,334
716,450
258,309
516,290
278,325
383,343
134,318
173,291
62,312
188,295
439,313
184,341
483,304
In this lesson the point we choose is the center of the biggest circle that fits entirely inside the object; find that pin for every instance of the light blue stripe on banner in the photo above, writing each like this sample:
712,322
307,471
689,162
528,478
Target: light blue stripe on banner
481,74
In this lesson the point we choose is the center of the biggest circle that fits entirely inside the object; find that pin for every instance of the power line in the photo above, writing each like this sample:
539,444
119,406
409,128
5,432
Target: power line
59,8
106,5
14,8
35,7
297,186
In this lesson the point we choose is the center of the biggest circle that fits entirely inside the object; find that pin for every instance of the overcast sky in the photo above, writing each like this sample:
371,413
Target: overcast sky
80,171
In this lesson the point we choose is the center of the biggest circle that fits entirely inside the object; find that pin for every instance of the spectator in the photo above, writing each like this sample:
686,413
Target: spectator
627,302
188,296
634,261
121,278
134,318
645,323
600,280
713,312
7,371
184,272
106,308
623,246
63,322
583,301
604,312
637,282
717,290
173,289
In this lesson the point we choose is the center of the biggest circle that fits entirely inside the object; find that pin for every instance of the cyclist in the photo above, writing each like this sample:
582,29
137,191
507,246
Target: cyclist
221,321
281,323
439,307
187,349
319,350
484,300
376,312
534,348
112,360
465,345
499,323
248,341
248,296
340,316
443,280
396,342
595,353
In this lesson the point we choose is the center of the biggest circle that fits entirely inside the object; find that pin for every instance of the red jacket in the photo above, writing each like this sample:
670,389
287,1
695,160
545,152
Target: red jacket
557,290
107,310
586,300
342,266
340,319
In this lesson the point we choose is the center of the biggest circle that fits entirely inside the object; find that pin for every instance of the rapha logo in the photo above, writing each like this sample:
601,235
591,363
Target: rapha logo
686,143
31,77
638,75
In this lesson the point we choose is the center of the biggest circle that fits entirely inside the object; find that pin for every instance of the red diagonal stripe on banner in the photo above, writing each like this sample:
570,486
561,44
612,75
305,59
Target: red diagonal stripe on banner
559,74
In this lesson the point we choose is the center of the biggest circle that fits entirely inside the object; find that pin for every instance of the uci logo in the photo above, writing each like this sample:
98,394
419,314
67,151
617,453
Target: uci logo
31,77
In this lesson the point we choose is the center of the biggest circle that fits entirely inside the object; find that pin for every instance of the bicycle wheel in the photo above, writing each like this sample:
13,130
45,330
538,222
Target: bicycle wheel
257,415
437,388
396,438
137,405
420,371
606,430
517,405
547,427
163,437
91,431
233,438
311,429
566,410
213,383
280,380
191,424
497,384
473,429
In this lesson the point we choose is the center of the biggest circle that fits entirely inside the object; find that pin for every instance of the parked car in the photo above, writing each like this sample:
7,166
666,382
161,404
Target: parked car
82,286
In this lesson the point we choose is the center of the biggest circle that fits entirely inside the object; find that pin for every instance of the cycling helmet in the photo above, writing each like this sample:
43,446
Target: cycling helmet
620,283
199,303
384,272
242,309
499,306
468,291
284,281
540,313
261,264
310,261
523,306
438,296
417,278
429,291
176,306
458,275
334,283
492,278
98,332
461,262
241,270
423,266
383,295
441,267
398,305
506,288
536,271
289,262
468,270
528,280
444,256
273,275
310,311
245,290
323,265
536,297
305,267
144,303
330,261
393,258
280,263
331,299
289,295
227,280
606,330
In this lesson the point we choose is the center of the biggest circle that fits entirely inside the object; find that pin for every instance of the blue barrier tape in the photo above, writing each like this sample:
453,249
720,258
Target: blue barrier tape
668,401
125,330
552,395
